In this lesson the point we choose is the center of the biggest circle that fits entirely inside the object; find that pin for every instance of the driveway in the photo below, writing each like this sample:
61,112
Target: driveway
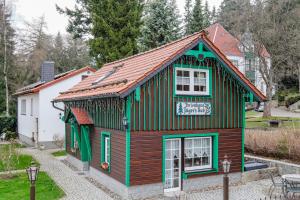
280,112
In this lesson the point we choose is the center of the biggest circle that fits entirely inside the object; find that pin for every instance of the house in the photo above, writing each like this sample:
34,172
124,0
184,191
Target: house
240,53
160,121
38,120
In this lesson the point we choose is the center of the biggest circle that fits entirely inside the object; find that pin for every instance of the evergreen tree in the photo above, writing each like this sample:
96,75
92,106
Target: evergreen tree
161,24
213,16
114,26
188,16
197,23
206,15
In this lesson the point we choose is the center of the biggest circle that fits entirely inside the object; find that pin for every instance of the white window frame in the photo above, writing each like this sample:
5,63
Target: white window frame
203,167
106,154
23,107
192,92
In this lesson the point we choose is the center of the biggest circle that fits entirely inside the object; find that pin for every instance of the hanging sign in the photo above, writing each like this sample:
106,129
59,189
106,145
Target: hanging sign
193,108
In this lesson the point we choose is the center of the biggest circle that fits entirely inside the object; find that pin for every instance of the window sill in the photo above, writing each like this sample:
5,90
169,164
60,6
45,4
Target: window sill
193,95
188,173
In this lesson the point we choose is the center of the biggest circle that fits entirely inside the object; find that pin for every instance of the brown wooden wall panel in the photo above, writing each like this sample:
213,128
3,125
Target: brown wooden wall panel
118,152
146,152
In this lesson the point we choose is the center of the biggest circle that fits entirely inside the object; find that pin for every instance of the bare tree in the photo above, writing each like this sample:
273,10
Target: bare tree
5,60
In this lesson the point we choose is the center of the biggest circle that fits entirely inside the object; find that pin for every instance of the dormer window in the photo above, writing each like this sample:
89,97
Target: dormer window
190,81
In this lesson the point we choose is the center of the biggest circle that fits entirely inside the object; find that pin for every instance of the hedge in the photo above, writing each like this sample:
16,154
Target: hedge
292,100
8,124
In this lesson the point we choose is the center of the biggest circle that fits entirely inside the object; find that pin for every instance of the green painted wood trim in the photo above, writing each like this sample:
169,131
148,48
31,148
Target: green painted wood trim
200,51
144,106
159,100
185,175
85,132
215,140
103,135
164,100
128,116
138,93
243,134
149,107
168,98
72,136
154,114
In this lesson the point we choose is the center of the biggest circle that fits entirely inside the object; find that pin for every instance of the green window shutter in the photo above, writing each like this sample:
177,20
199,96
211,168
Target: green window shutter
86,146
72,136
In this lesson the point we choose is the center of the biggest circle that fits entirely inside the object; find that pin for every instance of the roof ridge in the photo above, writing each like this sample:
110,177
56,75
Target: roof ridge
154,49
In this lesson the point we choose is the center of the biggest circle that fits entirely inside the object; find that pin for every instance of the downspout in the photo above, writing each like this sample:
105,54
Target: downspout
58,108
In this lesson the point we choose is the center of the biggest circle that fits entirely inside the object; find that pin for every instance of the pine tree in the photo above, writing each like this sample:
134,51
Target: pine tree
206,15
213,16
161,24
188,16
197,17
114,26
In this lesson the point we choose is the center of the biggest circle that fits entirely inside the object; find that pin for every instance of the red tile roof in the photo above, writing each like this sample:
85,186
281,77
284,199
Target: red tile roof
36,87
81,116
226,42
120,77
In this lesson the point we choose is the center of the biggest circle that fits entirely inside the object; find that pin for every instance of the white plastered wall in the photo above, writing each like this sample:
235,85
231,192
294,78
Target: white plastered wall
27,124
49,122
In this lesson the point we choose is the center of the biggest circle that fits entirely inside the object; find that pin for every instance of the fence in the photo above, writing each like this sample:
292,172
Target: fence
281,197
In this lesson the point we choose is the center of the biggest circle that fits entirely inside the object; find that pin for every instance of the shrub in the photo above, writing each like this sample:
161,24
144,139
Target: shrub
8,124
292,100
279,143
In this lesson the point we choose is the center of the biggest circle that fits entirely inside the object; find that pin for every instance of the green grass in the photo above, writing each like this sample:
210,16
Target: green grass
17,188
22,163
59,153
261,122
251,114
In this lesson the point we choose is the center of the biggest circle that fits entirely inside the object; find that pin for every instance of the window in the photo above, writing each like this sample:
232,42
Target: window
197,153
23,107
248,64
192,81
235,62
105,148
31,106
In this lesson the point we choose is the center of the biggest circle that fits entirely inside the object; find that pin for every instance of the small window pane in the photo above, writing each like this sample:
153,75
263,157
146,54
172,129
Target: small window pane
186,88
186,73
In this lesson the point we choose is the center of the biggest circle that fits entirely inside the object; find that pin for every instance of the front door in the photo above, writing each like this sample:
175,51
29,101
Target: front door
172,165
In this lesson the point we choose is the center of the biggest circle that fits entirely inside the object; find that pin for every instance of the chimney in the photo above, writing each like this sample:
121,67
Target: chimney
47,71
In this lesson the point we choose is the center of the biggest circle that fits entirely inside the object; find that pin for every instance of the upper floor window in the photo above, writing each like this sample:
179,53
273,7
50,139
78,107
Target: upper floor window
192,81
248,66
23,107
235,62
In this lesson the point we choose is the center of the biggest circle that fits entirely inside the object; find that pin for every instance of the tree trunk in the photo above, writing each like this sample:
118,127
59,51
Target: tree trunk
268,103
5,60
299,77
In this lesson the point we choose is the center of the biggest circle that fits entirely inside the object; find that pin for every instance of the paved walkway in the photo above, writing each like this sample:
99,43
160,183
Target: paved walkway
75,186
254,190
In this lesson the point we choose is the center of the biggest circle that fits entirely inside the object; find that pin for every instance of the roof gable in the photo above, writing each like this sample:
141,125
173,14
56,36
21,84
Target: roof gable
36,87
136,70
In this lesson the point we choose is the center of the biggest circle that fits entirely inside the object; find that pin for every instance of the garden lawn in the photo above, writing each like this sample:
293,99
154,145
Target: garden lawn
59,153
23,162
17,188
260,122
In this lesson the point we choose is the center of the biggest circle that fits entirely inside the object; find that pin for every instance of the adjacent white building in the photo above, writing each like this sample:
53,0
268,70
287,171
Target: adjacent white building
239,53
38,121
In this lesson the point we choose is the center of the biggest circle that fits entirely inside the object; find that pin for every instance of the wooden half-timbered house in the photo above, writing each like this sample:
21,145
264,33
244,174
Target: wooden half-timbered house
160,121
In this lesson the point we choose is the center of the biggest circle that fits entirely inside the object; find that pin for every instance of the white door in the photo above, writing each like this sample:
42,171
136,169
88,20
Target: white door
172,165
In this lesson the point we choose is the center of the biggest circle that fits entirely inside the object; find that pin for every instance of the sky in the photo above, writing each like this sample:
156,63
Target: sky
27,10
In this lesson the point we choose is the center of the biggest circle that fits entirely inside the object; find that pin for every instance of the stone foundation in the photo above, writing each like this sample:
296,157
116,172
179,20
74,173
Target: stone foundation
28,142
